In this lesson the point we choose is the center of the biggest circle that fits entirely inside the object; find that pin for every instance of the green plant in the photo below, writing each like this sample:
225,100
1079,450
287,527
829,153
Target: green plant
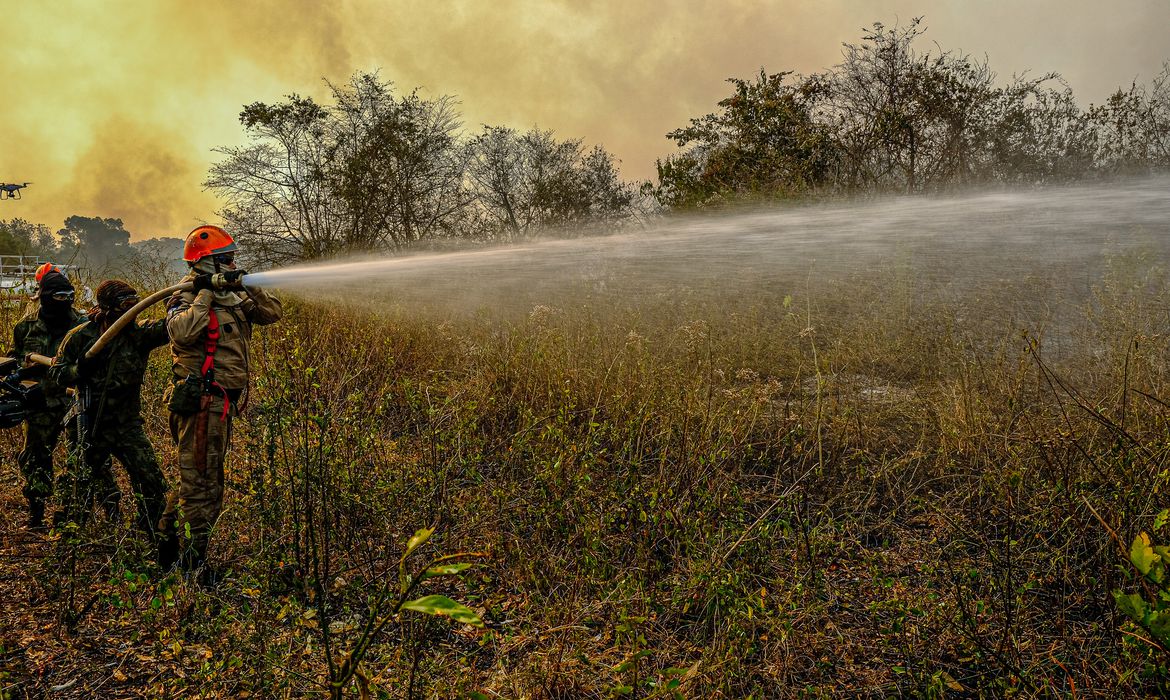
1150,610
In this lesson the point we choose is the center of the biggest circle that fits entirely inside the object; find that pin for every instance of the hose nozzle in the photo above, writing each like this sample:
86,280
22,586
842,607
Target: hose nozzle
233,279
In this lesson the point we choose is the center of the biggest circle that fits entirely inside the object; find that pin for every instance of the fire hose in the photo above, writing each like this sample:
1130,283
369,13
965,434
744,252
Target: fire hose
218,281
14,390
131,314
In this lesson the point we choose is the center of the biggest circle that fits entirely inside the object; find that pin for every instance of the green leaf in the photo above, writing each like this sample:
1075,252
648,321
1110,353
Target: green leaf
1142,554
1131,604
445,570
444,606
417,540
1158,623
1161,518
950,681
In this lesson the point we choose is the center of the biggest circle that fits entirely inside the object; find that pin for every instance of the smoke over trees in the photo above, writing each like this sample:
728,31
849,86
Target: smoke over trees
889,118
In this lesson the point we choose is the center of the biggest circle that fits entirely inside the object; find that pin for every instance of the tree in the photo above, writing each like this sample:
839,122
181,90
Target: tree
1038,134
906,121
276,188
374,171
21,237
369,173
764,142
396,163
532,182
97,243
1133,127
890,118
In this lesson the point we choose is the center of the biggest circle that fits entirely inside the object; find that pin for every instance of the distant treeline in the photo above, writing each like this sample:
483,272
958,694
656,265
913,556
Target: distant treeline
100,247
892,119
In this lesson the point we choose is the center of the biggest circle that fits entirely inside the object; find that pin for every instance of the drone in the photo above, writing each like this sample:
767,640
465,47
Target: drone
11,190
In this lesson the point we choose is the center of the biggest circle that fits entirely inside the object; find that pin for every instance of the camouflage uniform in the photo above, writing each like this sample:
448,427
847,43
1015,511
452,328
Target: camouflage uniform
197,504
46,415
113,417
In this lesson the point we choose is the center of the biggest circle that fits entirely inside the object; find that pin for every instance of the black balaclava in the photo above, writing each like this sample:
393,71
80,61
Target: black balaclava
56,314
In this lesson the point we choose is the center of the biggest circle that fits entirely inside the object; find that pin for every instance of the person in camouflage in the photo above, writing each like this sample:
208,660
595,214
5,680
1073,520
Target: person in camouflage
40,332
211,330
110,385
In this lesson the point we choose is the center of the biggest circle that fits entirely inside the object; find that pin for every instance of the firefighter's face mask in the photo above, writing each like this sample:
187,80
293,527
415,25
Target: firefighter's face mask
211,264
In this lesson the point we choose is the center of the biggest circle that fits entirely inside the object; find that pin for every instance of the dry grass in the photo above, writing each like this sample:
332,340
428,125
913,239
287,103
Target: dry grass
869,487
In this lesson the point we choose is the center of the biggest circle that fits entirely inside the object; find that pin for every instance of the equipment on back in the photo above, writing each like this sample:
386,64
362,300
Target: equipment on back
13,394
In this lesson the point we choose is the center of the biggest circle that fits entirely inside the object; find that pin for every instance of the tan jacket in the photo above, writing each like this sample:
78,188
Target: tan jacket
187,318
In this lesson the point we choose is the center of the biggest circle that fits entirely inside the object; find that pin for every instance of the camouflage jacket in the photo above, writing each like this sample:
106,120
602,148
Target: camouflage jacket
115,382
32,335
187,317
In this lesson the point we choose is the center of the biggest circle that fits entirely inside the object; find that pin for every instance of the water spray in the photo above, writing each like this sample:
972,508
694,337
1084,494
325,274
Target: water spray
958,244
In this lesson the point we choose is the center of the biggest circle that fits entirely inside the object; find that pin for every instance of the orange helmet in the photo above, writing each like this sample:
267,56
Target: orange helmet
46,269
207,240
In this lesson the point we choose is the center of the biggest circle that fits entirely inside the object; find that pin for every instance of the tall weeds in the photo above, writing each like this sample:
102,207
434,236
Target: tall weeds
862,486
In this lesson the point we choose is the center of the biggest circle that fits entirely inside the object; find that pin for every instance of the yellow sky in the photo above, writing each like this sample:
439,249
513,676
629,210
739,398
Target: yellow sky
111,107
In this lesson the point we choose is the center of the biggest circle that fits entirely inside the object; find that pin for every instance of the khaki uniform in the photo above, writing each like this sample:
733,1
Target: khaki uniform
113,419
46,416
193,510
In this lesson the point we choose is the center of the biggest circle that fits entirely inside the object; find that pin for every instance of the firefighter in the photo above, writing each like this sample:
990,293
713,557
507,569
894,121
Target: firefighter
210,329
109,407
40,332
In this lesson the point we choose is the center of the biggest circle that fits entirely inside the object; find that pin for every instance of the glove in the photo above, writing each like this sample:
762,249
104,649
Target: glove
203,282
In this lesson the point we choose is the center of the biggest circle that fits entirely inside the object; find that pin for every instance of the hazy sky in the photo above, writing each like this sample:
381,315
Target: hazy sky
111,107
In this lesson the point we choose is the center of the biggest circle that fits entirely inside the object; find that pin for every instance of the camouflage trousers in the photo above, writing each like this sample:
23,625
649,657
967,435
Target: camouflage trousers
42,431
195,506
88,478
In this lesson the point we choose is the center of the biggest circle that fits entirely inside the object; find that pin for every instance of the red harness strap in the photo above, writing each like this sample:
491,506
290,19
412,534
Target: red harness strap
210,345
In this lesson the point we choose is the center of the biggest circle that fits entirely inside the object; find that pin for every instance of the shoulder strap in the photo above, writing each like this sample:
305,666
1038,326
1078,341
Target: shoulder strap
210,344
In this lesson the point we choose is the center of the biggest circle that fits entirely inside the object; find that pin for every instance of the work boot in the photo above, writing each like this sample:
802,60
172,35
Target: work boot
112,507
36,515
209,576
193,562
168,551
